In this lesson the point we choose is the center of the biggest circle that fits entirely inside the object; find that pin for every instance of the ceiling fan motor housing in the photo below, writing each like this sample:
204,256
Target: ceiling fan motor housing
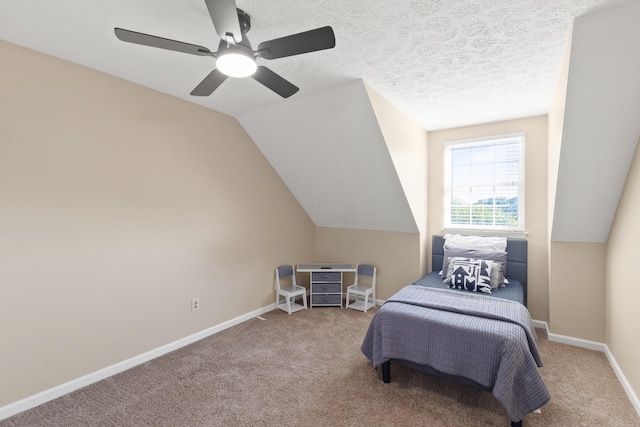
245,21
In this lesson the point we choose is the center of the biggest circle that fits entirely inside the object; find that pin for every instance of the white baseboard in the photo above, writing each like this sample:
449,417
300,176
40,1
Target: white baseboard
539,324
577,342
635,401
62,389
593,345
563,339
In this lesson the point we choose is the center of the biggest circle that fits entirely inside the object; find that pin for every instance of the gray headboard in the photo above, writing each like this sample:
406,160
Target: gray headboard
516,259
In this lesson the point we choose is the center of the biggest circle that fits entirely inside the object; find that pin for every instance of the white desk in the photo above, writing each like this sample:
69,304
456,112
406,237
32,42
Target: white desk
326,282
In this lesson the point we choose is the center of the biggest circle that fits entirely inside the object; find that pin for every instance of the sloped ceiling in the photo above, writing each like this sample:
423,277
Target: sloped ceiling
329,150
601,123
442,63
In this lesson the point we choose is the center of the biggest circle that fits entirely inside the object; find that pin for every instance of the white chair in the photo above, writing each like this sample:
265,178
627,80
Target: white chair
290,293
363,293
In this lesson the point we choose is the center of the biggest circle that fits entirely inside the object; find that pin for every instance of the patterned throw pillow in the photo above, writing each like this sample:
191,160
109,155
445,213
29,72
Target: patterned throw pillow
470,274
499,257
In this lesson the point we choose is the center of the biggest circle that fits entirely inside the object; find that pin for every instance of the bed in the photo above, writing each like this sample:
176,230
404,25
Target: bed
516,268
482,340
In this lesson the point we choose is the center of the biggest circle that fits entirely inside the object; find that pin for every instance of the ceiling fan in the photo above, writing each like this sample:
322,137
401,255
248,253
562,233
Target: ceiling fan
235,56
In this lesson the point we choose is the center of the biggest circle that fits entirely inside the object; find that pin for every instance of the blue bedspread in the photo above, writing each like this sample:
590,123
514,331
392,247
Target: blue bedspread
448,330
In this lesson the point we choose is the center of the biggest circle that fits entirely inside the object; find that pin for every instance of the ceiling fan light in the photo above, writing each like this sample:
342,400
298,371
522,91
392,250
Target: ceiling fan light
236,63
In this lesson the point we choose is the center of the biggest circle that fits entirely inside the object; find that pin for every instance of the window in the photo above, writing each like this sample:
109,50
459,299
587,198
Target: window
484,183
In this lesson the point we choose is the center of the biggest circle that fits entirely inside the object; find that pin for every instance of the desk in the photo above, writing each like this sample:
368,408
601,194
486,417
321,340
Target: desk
326,282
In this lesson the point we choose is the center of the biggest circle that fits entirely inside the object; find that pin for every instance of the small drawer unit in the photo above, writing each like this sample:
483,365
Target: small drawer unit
326,283
326,288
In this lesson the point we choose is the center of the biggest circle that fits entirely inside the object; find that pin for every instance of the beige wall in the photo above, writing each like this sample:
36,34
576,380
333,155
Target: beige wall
117,206
535,130
576,290
395,255
623,290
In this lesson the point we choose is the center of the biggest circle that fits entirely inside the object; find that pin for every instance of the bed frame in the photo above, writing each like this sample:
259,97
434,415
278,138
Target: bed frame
517,255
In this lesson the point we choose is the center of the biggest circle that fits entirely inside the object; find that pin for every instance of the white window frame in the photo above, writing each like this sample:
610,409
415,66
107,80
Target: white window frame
449,146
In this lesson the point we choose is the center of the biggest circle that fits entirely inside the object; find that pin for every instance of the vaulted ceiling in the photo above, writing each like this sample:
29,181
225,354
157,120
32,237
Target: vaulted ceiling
601,123
442,63
341,174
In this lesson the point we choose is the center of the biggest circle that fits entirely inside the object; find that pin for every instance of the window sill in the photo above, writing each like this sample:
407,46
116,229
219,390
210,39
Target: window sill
484,232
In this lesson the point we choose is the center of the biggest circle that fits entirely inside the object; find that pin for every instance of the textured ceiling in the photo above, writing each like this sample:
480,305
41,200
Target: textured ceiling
444,63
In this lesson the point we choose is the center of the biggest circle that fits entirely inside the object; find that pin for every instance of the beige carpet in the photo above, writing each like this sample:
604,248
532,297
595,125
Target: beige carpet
307,370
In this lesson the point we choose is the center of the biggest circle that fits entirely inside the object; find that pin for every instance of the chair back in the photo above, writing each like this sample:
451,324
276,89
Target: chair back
366,270
283,272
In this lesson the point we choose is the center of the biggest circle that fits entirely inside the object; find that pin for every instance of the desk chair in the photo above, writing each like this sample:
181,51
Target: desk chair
290,293
364,294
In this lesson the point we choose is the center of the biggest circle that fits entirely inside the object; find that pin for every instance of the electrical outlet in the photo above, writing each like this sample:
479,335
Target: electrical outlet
195,304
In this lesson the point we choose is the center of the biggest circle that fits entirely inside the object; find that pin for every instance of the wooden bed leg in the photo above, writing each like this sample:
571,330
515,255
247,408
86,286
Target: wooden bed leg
386,372
516,423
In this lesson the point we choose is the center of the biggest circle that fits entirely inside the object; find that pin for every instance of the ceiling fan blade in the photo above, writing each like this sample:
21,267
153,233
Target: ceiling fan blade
225,18
162,43
209,84
309,41
274,82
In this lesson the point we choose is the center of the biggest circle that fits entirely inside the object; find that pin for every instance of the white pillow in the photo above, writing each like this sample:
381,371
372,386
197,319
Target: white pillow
496,244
